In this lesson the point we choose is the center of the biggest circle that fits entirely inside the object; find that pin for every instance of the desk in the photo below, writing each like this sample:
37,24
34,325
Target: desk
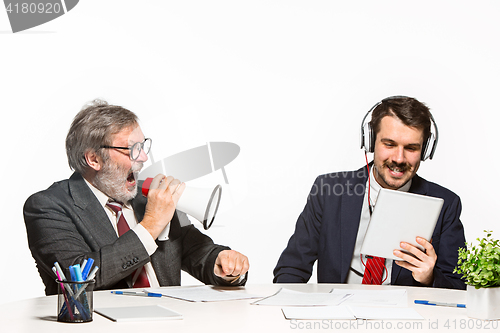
39,314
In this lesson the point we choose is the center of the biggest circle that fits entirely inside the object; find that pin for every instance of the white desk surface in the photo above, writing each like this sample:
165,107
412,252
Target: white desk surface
39,314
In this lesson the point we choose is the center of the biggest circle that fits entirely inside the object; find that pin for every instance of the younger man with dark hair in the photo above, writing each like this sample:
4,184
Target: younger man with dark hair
333,224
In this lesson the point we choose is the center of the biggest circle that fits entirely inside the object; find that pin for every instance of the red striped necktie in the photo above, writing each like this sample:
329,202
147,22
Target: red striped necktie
374,270
122,226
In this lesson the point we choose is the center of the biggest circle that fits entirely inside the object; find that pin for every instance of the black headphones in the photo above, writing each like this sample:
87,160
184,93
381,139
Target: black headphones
368,137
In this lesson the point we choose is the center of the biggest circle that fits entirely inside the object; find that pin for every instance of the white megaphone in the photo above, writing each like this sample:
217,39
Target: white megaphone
200,203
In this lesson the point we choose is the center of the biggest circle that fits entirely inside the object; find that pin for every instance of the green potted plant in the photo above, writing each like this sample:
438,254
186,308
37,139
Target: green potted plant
480,267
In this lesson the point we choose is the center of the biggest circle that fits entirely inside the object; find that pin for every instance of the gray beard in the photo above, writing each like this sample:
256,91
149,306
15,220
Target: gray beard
112,181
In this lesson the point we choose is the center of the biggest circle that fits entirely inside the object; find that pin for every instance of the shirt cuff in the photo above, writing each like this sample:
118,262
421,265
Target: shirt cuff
145,238
235,280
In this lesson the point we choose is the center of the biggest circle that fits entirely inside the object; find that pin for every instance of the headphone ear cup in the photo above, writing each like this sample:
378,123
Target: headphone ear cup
428,149
368,138
372,139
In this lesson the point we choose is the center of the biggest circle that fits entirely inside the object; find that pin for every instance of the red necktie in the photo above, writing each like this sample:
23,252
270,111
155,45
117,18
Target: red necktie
122,226
374,270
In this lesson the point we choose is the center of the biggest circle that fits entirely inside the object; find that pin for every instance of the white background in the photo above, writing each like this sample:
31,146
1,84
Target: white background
288,81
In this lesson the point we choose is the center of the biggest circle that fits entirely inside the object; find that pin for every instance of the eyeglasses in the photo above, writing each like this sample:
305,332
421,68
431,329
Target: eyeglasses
136,149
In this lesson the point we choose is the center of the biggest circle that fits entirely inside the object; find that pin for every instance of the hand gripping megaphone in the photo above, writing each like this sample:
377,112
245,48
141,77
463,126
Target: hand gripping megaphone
200,203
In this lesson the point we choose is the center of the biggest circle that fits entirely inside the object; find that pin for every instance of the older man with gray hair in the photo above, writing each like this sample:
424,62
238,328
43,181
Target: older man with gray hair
97,214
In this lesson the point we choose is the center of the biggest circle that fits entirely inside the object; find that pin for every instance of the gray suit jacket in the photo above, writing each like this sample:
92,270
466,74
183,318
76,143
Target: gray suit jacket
66,223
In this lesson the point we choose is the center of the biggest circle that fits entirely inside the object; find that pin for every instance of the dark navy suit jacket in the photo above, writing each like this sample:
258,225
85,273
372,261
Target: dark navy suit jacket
326,231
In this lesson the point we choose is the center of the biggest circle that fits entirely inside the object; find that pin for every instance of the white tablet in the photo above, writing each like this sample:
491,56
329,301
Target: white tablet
400,217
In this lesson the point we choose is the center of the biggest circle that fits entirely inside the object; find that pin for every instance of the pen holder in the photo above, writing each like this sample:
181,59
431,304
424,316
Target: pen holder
75,302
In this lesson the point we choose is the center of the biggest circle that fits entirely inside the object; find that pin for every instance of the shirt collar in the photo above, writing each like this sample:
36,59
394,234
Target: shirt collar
375,187
101,197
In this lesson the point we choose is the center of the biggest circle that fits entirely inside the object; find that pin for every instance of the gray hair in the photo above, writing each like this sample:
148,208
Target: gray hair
93,127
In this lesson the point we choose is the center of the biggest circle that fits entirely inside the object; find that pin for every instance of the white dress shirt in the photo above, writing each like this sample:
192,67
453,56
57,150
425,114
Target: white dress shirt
363,226
144,236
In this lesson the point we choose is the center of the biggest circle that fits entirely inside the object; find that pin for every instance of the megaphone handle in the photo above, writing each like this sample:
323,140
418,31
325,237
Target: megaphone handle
163,236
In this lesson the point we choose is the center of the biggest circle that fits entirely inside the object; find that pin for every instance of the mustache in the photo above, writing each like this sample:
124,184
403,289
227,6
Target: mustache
136,167
401,166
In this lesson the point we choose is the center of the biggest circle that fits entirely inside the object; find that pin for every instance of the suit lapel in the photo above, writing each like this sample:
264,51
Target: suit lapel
419,186
90,211
351,207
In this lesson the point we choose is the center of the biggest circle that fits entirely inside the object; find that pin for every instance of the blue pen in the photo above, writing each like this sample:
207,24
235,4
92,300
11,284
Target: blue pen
84,308
133,293
75,274
453,305
86,269
72,273
90,277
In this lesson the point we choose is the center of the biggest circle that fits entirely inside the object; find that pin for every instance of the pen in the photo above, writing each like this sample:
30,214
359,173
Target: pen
66,301
90,277
72,273
86,269
76,274
93,273
454,305
72,300
133,293
61,277
82,266
59,269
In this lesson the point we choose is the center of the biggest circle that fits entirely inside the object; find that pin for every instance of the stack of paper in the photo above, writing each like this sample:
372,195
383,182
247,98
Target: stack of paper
348,312
343,304
360,297
138,313
202,294
287,297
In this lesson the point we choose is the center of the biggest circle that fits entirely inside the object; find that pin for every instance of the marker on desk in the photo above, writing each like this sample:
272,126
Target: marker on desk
453,305
133,293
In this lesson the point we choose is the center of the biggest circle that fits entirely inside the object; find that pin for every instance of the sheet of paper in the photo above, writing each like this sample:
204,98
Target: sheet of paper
349,312
385,313
138,313
202,294
287,297
360,297
317,312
